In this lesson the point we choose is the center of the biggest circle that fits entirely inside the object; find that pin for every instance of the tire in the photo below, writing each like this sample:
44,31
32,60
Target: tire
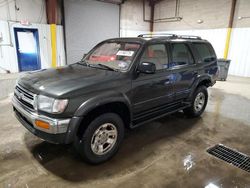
106,129
197,107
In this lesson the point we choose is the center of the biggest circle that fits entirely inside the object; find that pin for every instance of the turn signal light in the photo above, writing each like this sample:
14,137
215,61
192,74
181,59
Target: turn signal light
42,124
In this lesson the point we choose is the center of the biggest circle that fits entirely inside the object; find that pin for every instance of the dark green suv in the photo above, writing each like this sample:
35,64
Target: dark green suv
121,83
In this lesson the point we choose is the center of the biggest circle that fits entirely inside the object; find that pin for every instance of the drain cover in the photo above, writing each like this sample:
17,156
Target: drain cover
231,156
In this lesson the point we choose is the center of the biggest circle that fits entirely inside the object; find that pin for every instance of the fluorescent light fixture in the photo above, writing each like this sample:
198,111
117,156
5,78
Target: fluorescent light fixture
211,185
243,17
200,21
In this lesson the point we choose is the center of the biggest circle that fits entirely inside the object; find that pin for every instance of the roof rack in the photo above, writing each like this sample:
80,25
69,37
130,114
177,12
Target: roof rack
169,35
188,37
150,35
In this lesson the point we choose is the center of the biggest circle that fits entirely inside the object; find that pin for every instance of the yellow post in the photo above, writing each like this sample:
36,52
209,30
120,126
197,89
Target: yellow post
151,34
229,30
53,44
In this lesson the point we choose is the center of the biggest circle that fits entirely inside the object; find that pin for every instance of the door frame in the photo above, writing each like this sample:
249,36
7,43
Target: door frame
36,35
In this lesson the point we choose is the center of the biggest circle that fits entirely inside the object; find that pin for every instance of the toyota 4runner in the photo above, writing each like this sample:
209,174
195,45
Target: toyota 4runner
121,83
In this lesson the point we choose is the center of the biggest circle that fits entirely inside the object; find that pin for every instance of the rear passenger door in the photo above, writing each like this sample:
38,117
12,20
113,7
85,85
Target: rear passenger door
184,69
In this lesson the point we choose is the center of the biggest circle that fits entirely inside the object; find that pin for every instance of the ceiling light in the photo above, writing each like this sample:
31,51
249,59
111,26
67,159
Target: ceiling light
200,21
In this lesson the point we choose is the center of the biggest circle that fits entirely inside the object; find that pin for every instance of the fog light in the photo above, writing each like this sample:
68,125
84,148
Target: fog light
42,124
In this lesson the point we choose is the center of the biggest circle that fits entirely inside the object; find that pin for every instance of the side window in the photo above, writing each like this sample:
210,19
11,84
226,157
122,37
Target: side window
157,54
181,55
206,53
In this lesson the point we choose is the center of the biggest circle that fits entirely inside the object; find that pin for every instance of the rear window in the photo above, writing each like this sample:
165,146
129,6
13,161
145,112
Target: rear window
206,53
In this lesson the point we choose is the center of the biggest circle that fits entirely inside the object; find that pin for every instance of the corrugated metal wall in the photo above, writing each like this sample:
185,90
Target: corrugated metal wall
239,52
88,23
8,56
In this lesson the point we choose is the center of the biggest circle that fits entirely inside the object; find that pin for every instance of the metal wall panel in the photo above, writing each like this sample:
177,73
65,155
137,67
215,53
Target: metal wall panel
239,52
88,23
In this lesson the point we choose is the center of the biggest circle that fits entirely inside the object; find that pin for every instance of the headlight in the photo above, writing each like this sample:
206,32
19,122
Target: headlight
51,105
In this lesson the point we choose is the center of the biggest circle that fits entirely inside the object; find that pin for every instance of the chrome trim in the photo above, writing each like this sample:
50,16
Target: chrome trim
56,125
25,90
25,95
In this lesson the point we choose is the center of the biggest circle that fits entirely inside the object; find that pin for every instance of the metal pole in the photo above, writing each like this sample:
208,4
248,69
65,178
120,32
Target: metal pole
229,29
152,6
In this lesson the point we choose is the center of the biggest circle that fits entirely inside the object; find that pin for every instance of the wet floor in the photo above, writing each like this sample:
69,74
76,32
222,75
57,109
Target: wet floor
169,152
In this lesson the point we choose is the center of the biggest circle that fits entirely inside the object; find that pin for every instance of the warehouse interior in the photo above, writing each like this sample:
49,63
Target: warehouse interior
169,152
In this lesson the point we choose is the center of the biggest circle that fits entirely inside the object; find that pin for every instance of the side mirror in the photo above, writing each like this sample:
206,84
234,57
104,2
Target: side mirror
147,67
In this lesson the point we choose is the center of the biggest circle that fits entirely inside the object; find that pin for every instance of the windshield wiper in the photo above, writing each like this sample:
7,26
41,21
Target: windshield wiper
103,66
82,62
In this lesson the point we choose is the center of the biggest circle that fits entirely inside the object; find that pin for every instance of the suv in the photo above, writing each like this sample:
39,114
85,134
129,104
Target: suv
121,83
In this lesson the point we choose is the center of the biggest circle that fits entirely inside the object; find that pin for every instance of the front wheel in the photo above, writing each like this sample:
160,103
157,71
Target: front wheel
102,138
199,102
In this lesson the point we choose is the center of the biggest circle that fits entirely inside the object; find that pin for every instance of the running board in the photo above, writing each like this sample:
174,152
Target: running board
152,116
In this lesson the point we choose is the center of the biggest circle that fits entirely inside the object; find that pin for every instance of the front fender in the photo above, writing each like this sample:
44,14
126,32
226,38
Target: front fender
90,104
99,100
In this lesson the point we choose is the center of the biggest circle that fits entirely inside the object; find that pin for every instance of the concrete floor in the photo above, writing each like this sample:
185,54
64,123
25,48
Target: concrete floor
7,83
169,152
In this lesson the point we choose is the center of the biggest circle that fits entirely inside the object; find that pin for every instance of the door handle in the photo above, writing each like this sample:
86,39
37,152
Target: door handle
157,83
196,73
167,81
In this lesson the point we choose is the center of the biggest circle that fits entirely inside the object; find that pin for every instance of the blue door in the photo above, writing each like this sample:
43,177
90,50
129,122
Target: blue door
27,48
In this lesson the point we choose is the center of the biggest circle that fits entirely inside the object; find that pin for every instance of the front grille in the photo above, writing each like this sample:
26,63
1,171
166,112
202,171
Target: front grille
231,156
24,96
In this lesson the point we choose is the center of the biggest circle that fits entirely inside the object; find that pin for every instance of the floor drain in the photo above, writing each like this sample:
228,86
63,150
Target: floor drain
231,156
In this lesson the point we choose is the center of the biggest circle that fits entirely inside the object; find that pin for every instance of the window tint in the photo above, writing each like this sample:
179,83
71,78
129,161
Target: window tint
181,55
156,54
205,52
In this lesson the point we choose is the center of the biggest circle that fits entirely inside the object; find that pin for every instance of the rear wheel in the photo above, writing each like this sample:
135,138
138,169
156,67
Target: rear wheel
102,138
199,102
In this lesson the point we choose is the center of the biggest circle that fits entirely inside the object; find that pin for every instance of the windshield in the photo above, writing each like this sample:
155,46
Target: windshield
115,55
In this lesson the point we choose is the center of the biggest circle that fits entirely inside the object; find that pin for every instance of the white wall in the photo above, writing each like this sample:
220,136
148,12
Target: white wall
8,56
239,52
131,21
61,58
32,10
214,13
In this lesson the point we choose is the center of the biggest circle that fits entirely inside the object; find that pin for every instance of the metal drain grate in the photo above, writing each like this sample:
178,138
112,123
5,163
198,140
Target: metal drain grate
231,156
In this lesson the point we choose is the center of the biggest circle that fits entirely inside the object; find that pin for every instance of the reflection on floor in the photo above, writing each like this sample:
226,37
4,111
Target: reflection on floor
169,152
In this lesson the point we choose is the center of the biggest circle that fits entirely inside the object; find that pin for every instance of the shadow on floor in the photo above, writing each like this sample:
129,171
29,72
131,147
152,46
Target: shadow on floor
138,147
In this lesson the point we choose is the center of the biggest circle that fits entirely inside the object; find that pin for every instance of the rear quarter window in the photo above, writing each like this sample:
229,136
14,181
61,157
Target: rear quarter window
205,51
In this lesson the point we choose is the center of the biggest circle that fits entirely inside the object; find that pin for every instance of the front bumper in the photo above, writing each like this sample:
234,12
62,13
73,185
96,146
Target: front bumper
58,131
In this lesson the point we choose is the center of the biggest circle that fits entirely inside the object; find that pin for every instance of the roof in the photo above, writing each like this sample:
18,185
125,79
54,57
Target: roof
143,38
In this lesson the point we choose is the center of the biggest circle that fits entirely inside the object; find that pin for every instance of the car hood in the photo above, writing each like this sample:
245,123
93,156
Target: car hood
64,80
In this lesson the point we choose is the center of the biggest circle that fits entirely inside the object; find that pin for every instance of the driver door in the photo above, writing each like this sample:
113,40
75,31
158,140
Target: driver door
152,91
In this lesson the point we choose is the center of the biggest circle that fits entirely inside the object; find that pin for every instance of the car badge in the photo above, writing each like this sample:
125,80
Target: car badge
20,96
